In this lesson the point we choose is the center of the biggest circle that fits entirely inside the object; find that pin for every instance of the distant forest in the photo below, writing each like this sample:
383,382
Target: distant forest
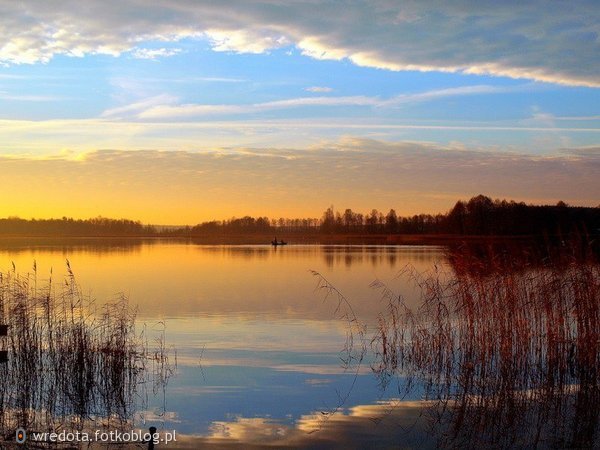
480,216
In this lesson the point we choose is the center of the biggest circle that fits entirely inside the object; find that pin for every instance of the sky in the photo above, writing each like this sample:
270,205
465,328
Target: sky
180,111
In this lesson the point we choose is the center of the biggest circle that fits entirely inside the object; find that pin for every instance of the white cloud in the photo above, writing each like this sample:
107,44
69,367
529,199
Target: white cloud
245,41
112,131
448,92
577,118
192,110
319,89
386,422
542,40
154,53
139,106
159,111
212,80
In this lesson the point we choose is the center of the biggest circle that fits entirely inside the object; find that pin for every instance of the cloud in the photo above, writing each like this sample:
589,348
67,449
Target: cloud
154,53
319,89
577,118
451,92
356,173
387,423
191,110
212,80
553,42
115,130
140,106
245,41
170,111
547,118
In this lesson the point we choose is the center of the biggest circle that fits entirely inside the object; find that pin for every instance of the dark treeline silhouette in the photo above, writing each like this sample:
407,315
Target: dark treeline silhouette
480,216
259,225
98,226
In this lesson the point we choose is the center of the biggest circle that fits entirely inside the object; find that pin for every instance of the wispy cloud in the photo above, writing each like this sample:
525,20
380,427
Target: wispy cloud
186,79
416,176
451,92
170,111
319,89
555,43
245,40
114,131
576,118
137,107
397,421
191,110
154,53
213,80
547,117
29,97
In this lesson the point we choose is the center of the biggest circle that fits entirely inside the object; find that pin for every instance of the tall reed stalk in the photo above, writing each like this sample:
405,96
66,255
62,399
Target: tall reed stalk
511,355
72,364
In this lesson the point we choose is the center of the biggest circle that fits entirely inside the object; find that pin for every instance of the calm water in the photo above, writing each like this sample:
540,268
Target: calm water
258,346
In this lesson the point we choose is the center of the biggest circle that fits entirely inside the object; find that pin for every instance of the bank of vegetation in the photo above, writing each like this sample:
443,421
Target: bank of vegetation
479,216
504,348
508,352
68,363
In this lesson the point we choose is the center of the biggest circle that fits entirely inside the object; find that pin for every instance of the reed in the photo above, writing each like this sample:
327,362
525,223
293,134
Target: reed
510,353
355,348
72,364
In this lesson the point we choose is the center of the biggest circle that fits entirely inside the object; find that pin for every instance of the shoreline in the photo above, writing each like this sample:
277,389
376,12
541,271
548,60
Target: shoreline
291,239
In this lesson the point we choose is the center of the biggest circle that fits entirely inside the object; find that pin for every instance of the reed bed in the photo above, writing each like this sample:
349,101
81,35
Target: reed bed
71,364
509,353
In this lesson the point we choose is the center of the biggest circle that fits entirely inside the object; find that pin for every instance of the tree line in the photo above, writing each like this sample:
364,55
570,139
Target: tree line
480,216
99,226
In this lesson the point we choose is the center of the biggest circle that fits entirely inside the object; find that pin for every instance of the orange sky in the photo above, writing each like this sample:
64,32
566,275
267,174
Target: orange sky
190,111
190,187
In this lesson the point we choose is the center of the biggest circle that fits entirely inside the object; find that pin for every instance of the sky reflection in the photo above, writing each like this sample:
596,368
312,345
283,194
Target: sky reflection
387,424
257,344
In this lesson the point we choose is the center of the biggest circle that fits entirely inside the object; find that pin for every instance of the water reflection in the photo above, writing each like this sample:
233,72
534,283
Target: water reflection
378,256
389,424
221,280
511,354
333,255
68,365
72,246
503,356
253,338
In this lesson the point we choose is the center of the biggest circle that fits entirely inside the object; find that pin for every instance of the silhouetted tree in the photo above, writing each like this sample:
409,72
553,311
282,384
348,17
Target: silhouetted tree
328,221
391,222
479,216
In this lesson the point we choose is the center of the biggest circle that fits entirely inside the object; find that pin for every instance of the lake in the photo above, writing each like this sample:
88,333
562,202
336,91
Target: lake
259,347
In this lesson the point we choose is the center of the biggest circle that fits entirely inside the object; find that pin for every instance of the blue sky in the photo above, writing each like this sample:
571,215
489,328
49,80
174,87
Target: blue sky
497,79
431,106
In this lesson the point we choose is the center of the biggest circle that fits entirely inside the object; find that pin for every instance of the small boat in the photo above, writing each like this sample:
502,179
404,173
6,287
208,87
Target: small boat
275,243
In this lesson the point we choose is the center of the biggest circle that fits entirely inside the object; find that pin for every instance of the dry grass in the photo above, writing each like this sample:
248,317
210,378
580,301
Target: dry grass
71,364
510,354
355,348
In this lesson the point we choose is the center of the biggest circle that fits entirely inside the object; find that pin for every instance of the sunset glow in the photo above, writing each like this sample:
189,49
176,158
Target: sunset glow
178,112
